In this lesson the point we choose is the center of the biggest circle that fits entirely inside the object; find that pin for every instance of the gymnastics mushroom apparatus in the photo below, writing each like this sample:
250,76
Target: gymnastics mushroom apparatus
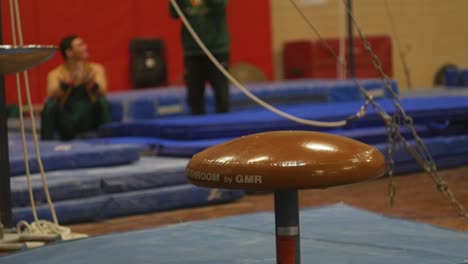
285,162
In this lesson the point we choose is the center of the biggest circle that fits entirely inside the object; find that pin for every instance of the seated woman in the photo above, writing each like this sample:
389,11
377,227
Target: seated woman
76,91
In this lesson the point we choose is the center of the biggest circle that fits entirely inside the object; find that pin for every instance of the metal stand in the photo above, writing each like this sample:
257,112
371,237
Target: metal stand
287,227
5,189
13,59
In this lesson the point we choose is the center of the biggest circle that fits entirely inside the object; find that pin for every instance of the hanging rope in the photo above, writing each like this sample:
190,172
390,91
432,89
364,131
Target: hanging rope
394,123
233,80
398,46
419,152
38,226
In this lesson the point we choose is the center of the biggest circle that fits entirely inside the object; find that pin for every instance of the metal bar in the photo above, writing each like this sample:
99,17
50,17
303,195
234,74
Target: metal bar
5,191
287,227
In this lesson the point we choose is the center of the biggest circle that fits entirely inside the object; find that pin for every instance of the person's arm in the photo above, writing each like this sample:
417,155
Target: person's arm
217,7
54,89
172,10
98,80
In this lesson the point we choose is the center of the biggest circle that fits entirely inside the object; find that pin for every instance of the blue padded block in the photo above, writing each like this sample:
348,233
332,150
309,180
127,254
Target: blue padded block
153,103
117,111
452,77
128,203
71,211
334,234
241,123
448,151
116,129
71,155
306,91
437,146
310,91
186,148
146,144
172,106
445,162
435,91
163,147
464,77
143,109
149,103
234,124
79,183
153,172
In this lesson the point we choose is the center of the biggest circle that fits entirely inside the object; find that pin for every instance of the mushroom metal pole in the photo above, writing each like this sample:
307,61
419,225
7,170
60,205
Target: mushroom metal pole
288,250
296,160
13,59
5,189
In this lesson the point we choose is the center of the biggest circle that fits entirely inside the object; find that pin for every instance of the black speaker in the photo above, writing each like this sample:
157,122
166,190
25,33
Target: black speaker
148,62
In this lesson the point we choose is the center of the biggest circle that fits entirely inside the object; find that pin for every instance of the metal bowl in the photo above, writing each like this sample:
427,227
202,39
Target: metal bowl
15,59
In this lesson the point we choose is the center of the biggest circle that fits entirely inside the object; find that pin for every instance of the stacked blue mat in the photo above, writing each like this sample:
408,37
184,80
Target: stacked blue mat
455,77
439,120
106,177
161,102
90,182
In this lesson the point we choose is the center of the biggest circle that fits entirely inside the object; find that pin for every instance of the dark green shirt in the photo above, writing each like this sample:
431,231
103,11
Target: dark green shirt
208,19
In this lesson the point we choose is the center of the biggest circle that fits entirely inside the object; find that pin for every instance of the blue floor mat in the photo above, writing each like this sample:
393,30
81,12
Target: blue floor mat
129,203
428,111
146,173
69,155
336,234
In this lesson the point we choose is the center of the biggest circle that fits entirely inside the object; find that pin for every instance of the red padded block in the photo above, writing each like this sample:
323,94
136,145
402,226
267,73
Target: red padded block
313,59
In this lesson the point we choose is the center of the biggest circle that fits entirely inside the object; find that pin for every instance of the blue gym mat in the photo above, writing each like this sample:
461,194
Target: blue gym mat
336,234
154,103
448,151
69,155
432,91
186,148
439,143
129,203
145,173
422,109
456,78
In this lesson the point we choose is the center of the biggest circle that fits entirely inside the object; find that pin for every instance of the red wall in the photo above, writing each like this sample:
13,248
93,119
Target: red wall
108,26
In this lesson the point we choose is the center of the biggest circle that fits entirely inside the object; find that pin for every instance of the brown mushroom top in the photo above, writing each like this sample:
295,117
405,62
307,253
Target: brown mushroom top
285,160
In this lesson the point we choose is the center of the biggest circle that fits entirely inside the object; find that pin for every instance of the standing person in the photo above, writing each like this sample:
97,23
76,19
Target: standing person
76,91
208,18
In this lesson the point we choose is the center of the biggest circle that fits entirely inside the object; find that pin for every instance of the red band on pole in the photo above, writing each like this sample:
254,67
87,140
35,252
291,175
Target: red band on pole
285,250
